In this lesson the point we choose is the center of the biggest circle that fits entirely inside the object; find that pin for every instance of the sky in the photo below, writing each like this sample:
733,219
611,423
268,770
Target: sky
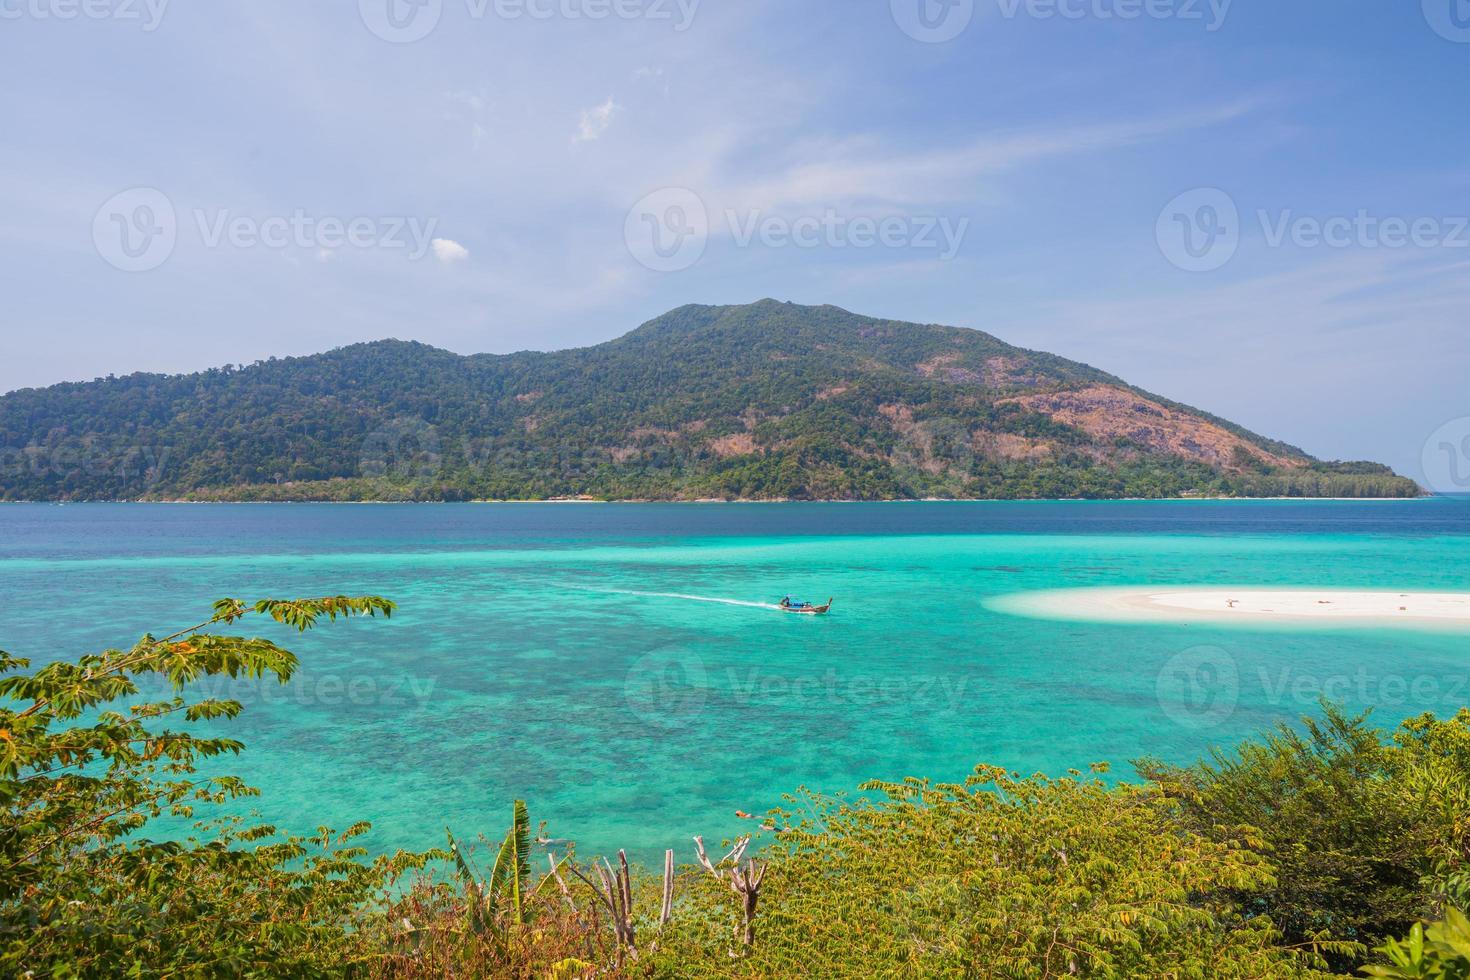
1258,208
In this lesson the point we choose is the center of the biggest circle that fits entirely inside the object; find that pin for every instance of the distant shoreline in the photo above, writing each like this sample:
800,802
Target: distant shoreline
914,500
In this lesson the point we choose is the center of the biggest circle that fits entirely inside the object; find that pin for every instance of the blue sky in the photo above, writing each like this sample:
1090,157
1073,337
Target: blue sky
1254,207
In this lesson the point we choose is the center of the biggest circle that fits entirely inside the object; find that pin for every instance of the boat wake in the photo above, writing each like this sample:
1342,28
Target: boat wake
693,598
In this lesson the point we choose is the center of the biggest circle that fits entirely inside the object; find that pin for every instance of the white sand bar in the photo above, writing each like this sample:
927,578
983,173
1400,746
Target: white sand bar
1247,606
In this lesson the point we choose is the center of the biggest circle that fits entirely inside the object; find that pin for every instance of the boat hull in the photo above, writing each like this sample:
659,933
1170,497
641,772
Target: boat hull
809,610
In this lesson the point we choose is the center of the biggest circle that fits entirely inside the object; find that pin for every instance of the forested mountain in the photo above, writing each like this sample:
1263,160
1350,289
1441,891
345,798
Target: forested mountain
769,400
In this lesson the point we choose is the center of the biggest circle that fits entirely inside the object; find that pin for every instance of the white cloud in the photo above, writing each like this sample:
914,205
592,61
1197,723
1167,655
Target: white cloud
448,250
595,121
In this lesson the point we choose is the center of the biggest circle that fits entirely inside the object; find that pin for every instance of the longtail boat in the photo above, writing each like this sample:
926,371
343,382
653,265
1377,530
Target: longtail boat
791,605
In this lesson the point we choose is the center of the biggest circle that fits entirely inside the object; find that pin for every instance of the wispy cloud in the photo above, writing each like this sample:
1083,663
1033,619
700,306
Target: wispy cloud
1368,297
595,121
858,171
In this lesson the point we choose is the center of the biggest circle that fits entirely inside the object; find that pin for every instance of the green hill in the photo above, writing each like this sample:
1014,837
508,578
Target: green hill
766,401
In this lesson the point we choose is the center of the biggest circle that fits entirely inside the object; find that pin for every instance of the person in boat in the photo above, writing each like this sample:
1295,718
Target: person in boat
789,603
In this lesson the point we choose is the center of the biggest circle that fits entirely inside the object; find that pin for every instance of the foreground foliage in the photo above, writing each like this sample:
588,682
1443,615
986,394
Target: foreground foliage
1325,850
83,892
1440,952
998,876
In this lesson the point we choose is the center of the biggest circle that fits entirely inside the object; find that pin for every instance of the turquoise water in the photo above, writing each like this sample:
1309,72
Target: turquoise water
616,665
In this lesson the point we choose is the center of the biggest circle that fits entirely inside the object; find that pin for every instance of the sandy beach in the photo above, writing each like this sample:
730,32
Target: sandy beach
1253,606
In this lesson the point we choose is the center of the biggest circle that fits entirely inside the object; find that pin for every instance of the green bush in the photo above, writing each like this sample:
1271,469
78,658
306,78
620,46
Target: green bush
1000,876
1439,952
83,890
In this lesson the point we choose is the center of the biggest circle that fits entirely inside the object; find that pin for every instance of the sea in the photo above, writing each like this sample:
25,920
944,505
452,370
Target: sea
624,669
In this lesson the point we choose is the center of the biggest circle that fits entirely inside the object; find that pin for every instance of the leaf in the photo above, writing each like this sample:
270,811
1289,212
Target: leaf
476,892
303,613
512,869
567,969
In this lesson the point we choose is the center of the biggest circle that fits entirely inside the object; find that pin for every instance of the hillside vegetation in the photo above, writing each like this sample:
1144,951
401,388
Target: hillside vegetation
766,401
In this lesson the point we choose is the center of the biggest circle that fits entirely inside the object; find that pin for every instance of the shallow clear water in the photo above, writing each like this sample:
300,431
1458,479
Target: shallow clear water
615,665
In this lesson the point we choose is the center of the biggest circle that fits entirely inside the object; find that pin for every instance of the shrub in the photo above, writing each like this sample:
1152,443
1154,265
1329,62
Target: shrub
84,891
